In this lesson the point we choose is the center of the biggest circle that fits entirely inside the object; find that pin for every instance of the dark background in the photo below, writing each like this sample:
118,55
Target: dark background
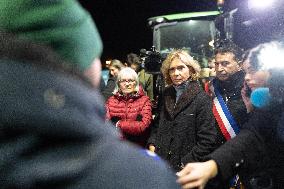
123,23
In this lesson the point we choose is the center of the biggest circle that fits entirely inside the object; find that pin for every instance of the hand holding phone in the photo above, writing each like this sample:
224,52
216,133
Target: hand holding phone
246,91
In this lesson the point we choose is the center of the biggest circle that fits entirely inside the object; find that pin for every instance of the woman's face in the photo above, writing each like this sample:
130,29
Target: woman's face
127,84
255,78
113,71
178,71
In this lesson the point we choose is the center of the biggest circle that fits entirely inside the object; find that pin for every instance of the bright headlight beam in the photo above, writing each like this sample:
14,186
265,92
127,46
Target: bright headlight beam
272,56
260,4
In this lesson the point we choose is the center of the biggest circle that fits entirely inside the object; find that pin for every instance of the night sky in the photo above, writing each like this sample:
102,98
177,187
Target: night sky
123,23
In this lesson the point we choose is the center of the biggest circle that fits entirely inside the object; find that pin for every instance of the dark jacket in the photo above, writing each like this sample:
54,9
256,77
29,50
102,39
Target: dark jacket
53,129
109,88
231,93
132,114
256,153
146,80
186,131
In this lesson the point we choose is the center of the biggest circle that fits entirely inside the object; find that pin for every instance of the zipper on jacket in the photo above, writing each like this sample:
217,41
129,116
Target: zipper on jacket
126,106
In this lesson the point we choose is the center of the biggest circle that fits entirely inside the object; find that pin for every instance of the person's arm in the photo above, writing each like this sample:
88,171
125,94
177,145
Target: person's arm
246,99
107,116
224,161
206,132
245,151
154,128
152,139
143,120
114,119
149,87
197,174
107,92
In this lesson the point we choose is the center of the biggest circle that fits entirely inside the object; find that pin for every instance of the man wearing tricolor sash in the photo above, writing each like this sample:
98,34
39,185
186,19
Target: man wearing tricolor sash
225,89
228,107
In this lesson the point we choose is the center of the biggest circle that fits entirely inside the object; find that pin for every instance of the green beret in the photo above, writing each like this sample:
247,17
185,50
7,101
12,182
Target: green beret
61,24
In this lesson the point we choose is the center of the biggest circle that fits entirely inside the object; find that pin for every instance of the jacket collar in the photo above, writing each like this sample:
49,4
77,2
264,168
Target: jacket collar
184,100
234,83
133,96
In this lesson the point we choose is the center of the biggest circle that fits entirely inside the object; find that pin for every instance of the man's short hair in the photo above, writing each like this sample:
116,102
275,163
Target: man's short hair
227,46
133,58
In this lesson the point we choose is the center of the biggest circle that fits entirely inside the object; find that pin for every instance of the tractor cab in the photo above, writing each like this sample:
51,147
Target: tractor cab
193,31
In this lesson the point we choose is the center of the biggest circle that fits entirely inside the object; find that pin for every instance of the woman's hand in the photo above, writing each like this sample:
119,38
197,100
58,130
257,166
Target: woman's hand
246,99
152,148
197,174
115,119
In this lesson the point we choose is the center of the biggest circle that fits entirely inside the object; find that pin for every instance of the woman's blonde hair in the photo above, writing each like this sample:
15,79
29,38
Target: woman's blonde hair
129,72
117,64
188,60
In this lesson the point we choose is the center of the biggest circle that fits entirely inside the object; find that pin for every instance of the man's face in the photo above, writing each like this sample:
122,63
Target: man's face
226,65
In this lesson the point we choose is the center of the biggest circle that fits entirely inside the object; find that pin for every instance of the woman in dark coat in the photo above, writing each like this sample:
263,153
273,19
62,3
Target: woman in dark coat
186,131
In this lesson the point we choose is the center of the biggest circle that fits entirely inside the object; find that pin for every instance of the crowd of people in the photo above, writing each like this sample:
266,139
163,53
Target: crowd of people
54,132
256,152
60,130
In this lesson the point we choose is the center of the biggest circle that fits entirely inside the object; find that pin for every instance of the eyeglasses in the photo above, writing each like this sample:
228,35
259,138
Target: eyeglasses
179,68
124,81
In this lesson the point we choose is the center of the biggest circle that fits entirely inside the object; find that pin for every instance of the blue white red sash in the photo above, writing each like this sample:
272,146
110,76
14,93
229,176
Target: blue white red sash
227,125
225,120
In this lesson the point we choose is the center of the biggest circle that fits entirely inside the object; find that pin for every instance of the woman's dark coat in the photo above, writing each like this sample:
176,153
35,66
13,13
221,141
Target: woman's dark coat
109,88
186,131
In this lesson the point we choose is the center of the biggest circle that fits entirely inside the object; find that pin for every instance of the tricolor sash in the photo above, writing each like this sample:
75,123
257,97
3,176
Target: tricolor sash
227,125
225,120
